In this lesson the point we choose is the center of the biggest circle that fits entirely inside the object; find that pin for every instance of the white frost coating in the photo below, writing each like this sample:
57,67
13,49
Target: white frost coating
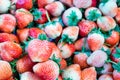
4,5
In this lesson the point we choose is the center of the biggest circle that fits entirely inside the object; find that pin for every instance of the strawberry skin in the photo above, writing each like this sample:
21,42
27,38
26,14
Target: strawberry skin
105,77
27,4
5,70
67,2
116,75
48,70
117,17
24,64
38,50
63,64
10,50
7,23
24,17
107,68
94,3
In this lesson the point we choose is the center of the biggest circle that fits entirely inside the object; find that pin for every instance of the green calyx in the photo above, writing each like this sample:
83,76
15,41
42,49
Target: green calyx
43,37
117,54
67,79
104,1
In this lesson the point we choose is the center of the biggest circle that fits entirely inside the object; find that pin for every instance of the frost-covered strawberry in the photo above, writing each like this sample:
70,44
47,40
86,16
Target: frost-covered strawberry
97,58
72,16
117,17
67,2
105,77
7,23
55,8
72,72
107,69
116,75
27,4
82,3
70,34
106,23
4,5
24,17
108,7
92,13
43,3
48,70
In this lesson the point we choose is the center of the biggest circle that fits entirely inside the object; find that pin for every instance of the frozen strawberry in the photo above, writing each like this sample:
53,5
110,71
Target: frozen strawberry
113,39
7,23
24,64
11,78
66,49
53,30
60,78
5,70
85,27
72,72
48,70
92,13
72,16
89,74
10,50
63,64
67,2
39,50
43,3
116,75
81,59
108,7
55,8
82,3
94,3
105,77
4,5
29,76
106,23
117,17
79,43
27,4
24,17
107,69
97,58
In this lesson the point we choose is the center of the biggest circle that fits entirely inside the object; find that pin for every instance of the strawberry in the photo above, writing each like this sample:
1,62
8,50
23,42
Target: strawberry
92,13
105,77
81,59
113,39
27,4
63,64
5,70
89,74
47,70
55,8
7,23
24,64
53,29
116,75
70,34
4,5
117,17
10,50
67,2
43,3
72,72
60,78
66,49
71,16
11,78
82,3
29,76
94,3
108,7
107,69
24,17
85,27
97,58
39,50
79,43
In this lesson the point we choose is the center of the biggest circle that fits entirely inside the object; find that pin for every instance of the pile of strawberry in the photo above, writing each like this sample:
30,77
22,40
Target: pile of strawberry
59,39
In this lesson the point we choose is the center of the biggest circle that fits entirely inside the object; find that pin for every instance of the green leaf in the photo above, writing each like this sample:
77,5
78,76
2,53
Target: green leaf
108,51
117,54
99,69
116,66
43,37
118,3
13,66
67,79
76,52
73,19
30,25
107,34
117,28
104,1
69,61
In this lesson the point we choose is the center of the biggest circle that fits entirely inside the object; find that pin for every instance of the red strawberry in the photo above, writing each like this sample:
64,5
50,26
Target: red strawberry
24,64
94,3
5,70
48,70
116,75
89,74
85,27
24,17
7,23
10,50
29,76
117,17
105,77
27,4
67,2
72,72
38,50
63,64
60,78
11,78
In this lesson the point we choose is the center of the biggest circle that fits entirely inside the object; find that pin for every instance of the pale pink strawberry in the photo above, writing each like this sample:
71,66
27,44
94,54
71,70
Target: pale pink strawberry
107,69
105,77
116,75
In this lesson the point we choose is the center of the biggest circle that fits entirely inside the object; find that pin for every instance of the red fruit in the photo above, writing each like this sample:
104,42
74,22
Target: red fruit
38,50
116,75
89,74
85,27
27,4
24,64
107,69
5,70
10,50
48,70
24,17
63,64
7,23
117,17
60,78
105,77
67,2
94,3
